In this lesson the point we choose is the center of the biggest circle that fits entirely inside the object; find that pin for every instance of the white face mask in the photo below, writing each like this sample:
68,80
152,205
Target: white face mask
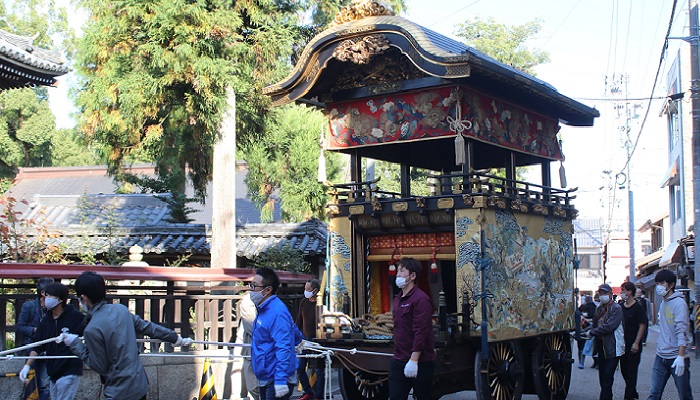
51,302
624,296
256,297
401,282
661,290
604,299
83,307
308,294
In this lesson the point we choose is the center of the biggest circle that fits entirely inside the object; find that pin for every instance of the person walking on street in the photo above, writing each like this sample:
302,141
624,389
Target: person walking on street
587,310
242,365
671,359
306,321
110,347
639,295
275,337
29,317
413,363
609,342
635,322
64,373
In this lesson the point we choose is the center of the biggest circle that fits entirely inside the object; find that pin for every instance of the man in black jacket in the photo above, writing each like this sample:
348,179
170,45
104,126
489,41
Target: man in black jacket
64,373
27,322
607,344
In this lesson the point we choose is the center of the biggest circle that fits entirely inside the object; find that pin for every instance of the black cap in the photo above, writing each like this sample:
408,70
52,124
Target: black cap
605,288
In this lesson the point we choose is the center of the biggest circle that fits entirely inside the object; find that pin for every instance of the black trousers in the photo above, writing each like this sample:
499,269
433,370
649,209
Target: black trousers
629,366
606,375
400,386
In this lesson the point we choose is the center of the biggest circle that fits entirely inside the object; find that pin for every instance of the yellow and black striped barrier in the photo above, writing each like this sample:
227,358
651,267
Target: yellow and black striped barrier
207,391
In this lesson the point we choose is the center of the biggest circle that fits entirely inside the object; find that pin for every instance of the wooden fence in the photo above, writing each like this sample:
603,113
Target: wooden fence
193,309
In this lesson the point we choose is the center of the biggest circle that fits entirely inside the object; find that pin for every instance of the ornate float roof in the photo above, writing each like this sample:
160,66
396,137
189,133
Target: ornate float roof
369,51
23,64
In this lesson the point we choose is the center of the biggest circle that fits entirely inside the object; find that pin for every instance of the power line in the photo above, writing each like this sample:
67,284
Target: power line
563,21
653,88
607,65
625,99
627,38
452,14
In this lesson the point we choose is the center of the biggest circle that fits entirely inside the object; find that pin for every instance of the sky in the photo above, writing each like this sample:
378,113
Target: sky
590,42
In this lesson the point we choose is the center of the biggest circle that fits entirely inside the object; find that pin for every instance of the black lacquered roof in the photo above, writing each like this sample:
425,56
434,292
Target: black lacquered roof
437,59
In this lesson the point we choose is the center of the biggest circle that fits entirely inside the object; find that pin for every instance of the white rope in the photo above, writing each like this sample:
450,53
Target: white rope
352,351
227,344
141,354
29,346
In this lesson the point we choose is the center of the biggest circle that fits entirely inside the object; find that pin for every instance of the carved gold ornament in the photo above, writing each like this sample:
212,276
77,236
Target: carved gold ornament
399,207
356,210
360,50
540,209
359,9
495,201
468,199
376,204
446,203
559,212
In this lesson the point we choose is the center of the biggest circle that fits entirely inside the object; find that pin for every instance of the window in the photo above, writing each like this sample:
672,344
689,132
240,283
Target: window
674,124
676,211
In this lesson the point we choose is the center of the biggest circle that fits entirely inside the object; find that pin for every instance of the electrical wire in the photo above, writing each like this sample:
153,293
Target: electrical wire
627,38
612,23
452,14
653,88
563,21
617,100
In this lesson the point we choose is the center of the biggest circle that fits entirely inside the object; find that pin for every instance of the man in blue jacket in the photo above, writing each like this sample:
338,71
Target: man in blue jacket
275,337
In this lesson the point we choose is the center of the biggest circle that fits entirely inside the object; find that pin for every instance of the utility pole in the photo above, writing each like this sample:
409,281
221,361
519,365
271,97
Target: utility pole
695,101
624,179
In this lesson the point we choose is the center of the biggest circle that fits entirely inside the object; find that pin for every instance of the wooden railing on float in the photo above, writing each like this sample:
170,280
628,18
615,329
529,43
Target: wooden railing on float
196,302
476,183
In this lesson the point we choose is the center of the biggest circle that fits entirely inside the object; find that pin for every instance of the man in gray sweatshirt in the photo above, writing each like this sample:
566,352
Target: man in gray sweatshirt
671,359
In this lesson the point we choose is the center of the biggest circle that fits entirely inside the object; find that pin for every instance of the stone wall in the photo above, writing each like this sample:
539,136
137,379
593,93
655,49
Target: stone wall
172,377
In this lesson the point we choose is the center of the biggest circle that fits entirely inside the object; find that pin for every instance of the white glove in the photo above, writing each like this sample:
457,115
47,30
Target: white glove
67,338
411,369
306,344
679,365
187,342
281,390
23,374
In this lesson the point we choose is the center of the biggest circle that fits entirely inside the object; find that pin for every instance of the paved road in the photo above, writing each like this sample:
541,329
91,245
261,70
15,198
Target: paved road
584,382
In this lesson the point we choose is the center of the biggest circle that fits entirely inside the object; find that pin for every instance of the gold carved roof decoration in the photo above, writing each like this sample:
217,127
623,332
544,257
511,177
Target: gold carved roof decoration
361,49
359,9
305,71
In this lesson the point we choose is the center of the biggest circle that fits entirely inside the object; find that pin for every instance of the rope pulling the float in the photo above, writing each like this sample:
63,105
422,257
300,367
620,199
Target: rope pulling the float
324,352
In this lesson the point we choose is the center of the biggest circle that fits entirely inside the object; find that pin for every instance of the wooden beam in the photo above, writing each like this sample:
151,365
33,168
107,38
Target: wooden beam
119,272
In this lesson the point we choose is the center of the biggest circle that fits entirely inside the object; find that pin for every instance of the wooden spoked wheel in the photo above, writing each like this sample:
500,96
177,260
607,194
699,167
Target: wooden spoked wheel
501,376
551,367
358,385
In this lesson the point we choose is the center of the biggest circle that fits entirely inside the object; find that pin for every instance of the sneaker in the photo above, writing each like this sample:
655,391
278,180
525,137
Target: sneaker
307,396
580,366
